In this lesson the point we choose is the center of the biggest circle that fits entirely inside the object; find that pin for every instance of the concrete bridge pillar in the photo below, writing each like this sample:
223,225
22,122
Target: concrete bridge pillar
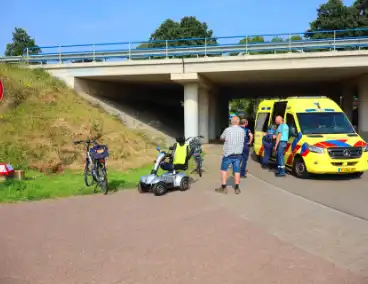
196,104
213,113
191,109
204,114
347,102
363,107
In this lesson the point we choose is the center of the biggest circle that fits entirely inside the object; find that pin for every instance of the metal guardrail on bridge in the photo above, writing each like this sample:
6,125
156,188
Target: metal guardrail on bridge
219,46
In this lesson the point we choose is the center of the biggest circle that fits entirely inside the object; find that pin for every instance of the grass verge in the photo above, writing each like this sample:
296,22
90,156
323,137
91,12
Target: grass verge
37,186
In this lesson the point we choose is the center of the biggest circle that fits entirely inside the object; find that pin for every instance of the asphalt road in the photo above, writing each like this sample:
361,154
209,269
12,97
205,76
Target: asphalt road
339,192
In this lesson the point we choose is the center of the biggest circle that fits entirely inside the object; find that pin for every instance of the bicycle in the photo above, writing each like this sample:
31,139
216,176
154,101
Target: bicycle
195,148
95,166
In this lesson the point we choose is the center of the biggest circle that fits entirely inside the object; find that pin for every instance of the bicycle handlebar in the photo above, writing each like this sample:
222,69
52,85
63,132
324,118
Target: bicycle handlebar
199,136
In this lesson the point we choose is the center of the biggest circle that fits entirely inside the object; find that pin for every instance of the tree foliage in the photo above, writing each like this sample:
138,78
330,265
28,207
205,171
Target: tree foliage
247,106
334,15
172,33
21,41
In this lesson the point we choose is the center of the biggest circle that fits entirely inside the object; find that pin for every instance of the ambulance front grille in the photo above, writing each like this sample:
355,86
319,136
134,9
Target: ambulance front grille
345,152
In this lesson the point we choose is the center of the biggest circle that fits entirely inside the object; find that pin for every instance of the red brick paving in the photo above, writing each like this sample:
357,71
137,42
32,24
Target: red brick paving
132,238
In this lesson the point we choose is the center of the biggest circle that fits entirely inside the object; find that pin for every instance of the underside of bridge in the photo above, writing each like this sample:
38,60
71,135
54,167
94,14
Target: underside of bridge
193,104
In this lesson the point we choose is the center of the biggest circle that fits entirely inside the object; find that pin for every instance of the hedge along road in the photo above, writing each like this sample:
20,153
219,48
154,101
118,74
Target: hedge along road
339,192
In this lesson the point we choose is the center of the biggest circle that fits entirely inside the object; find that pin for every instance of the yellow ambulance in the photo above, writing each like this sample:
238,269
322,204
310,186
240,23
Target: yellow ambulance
321,138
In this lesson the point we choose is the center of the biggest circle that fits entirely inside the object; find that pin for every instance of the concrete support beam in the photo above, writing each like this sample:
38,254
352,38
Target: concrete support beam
204,114
347,101
191,109
363,106
184,78
213,113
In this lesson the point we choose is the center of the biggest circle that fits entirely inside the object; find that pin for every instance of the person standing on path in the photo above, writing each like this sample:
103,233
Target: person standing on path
282,138
233,138
247,142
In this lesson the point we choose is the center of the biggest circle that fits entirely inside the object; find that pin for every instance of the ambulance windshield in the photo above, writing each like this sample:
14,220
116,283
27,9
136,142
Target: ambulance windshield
324,123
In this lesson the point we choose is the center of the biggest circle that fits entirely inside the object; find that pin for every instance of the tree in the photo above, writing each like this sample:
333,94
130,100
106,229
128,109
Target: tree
169,30
277,39
296,38
239,105
360,11
248,106
192,28
333,15
21,41
144,45
170,33
249,40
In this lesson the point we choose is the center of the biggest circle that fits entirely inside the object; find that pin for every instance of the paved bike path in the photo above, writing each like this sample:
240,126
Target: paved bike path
192,237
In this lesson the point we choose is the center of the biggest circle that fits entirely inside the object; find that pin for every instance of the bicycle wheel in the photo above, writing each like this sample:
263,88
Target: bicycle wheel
102,177
88,177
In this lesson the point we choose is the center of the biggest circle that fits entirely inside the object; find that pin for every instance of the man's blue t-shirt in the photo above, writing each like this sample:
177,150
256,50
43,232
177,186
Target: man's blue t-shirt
284,130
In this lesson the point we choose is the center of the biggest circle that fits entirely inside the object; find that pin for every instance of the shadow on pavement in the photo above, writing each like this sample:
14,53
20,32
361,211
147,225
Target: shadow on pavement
331,177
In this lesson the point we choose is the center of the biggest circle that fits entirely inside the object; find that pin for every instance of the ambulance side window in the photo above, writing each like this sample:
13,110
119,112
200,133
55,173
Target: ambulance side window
262,121
292,125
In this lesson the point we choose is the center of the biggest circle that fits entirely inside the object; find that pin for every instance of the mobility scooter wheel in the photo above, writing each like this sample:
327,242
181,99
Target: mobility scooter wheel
159,188
184,184
141,188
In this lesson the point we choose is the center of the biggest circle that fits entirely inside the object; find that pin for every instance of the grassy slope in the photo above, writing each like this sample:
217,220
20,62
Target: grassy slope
41,116
39,119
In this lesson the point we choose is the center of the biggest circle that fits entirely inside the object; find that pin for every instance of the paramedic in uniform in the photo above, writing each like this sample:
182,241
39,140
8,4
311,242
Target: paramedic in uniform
282,138
247,142
268,142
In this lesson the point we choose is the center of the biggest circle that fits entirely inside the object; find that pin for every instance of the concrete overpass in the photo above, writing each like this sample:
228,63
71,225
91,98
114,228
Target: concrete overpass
206,84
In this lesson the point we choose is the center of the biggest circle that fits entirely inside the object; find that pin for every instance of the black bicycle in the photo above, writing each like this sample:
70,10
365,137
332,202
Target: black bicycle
195,148
95,167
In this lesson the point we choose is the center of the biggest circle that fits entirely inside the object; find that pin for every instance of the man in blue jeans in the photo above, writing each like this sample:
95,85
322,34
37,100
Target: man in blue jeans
233,138
282,137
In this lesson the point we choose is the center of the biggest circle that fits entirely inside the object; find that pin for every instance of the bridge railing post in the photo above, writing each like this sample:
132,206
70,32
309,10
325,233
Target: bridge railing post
205,47
289,43
94,53
246,45
167,49
59,52
334,40
130,51
27,54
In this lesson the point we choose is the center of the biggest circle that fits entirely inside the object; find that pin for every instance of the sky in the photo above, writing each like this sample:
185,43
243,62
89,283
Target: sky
90,21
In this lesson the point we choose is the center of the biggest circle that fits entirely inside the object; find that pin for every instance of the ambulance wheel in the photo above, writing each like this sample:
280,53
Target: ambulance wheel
357,175
159,188
184,184
299,168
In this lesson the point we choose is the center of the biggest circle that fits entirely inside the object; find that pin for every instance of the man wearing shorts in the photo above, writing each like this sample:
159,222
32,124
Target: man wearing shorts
233,138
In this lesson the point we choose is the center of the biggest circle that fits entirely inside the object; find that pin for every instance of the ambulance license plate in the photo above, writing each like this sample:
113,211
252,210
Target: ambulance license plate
346,170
